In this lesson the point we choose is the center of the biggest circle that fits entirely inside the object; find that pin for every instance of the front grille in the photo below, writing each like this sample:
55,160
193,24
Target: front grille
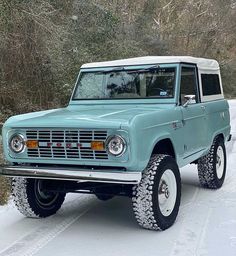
70,144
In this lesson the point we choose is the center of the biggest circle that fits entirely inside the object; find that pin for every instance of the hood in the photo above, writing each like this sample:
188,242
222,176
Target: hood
81,117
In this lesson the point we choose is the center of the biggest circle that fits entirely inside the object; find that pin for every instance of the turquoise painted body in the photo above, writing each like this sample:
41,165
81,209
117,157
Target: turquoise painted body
142,122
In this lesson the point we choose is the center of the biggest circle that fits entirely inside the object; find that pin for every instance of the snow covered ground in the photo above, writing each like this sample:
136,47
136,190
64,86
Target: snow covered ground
206,224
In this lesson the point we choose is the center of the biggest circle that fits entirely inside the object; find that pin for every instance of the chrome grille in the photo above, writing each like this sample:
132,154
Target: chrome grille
70,144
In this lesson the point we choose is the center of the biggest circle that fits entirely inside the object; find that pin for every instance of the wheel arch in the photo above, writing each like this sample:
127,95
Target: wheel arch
218,135
164,146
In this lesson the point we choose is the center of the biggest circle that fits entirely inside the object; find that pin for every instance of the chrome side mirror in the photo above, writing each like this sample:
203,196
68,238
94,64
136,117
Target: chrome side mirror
189,99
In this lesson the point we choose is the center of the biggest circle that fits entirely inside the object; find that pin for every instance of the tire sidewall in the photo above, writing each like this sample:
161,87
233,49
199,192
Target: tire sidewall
219,182
166,221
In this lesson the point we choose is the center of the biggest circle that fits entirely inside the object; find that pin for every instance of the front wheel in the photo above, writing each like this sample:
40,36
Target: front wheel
156,198
212,167
32,200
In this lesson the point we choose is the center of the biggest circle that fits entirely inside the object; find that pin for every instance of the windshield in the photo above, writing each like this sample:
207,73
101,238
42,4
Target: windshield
126,84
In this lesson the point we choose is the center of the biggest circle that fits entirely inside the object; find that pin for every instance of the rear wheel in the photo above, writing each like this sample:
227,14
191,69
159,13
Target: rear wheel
212,167
105,193
32,200
156,198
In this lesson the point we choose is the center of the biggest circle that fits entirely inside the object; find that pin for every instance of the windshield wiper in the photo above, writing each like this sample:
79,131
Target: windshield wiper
117,69
155,67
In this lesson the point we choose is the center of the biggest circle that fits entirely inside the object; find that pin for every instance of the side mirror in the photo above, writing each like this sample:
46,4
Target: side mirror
189,99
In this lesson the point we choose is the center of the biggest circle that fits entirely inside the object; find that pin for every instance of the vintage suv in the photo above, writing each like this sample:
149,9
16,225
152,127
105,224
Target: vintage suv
130,125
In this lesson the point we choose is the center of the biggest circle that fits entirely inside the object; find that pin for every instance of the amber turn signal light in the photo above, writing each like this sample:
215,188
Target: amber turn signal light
97,145
32,144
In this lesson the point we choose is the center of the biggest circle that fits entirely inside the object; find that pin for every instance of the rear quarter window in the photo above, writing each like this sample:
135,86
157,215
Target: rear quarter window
210,84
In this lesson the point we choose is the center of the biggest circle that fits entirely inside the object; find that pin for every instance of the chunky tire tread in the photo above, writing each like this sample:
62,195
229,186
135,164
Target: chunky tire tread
207,167
20,197
25,201
144,196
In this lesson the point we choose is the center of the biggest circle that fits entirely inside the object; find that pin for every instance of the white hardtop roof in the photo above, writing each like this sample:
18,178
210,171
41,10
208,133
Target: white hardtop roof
202,63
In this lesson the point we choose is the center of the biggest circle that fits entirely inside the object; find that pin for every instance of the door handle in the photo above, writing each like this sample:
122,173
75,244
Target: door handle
203,108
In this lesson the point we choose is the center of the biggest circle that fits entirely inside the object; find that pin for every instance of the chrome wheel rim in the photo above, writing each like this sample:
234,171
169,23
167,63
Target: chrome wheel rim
220,162
167,192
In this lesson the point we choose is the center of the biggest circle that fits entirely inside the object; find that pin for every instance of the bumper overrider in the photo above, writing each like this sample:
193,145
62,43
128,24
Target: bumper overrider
71,174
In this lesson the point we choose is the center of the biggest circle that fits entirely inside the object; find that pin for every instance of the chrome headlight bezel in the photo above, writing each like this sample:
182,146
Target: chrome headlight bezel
122,143
20,142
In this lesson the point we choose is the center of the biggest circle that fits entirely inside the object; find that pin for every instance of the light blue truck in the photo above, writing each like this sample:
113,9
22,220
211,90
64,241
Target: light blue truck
129,126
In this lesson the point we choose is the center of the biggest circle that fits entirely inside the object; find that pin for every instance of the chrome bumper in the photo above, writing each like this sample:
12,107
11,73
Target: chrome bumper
74,174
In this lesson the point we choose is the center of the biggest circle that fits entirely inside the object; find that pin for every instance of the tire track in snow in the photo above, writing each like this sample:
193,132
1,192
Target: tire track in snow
200,243
193,199
192,234
31,243
191,237
11,205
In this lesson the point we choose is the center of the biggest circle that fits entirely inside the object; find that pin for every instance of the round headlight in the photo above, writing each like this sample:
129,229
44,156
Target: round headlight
17,143
116,145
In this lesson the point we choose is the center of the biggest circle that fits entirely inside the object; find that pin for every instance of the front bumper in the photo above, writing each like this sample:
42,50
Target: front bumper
73,174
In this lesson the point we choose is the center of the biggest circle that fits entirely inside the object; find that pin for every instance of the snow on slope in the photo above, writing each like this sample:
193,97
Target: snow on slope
206,224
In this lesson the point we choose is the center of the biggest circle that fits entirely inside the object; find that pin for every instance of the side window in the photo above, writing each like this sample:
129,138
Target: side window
188,84
210,84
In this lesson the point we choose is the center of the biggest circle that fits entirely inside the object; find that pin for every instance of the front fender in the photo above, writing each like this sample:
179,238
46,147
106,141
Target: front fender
148,130
144,156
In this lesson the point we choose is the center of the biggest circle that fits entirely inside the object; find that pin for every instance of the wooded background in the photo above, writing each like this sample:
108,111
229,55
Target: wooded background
44,43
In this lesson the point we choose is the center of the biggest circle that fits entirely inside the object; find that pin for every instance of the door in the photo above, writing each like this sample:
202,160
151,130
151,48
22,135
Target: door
193,114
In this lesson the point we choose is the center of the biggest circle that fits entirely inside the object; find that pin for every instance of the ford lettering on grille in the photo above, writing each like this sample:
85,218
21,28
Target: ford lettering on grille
63,144
71,144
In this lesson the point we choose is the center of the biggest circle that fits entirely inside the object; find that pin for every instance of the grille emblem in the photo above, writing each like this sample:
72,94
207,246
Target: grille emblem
61,145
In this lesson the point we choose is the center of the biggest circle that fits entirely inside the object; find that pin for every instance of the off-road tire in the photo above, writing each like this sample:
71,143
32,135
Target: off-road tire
145,195
27,200
207,166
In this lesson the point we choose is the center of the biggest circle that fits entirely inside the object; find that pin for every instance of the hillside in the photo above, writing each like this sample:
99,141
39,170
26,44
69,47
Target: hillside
44,43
